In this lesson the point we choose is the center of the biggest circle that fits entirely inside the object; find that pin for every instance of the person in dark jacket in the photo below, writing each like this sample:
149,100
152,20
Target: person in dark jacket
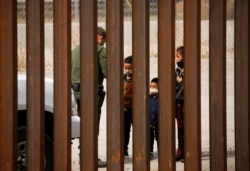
179,73
153,105
127,95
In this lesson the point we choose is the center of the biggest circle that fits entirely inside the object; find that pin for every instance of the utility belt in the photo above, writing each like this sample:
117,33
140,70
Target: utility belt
101,92
76,87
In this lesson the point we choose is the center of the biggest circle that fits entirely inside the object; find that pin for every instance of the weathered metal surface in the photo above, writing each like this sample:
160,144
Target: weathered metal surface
192,108
217,85
140,45
166,67
62,82
115,125
88,61
242,87
35,85
8,86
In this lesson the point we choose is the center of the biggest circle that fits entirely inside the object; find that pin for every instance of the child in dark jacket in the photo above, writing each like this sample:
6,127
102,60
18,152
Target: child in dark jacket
153,100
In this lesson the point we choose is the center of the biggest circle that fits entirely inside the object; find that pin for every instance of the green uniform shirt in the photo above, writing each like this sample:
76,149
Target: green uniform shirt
75,66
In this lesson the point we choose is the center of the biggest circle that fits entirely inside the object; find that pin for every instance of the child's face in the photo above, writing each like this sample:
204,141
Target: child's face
127,67
178,57
153,85
153,89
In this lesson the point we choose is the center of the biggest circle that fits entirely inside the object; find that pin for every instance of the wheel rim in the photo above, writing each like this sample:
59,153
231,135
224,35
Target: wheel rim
21,158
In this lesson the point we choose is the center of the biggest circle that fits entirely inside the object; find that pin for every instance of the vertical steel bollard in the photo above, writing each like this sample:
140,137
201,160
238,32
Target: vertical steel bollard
62,85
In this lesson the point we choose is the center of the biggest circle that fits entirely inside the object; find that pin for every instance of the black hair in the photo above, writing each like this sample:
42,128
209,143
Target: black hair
180,49
128,60
155,80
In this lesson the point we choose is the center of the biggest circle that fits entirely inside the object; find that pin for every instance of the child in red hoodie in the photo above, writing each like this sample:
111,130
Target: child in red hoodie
128,95
179,73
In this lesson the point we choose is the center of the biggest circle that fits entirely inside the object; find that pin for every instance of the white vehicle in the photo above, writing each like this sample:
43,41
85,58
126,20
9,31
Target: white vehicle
22,115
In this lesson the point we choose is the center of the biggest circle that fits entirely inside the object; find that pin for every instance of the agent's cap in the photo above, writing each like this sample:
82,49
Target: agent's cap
101,31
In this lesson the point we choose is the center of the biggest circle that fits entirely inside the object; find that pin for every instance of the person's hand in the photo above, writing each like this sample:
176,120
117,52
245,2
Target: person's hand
179,79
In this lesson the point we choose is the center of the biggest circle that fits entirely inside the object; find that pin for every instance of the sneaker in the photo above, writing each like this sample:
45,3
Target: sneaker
126,154
102,163
151,155
179,155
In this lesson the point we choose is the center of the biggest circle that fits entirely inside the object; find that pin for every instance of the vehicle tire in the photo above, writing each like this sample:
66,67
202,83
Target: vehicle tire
22,151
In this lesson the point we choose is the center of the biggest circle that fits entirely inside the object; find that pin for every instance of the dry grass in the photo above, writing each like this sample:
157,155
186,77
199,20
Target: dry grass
75,33
205,9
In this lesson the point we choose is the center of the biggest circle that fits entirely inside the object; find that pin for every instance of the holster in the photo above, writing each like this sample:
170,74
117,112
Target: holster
101,96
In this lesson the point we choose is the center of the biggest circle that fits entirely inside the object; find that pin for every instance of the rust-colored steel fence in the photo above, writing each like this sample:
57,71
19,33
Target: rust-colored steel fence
166,50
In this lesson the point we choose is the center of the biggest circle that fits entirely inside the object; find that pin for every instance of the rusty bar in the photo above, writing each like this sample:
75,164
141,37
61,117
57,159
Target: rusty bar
192,97
140,45
166,61
115,125
62,88
35,85
217,85
8,87
242,139
88,62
